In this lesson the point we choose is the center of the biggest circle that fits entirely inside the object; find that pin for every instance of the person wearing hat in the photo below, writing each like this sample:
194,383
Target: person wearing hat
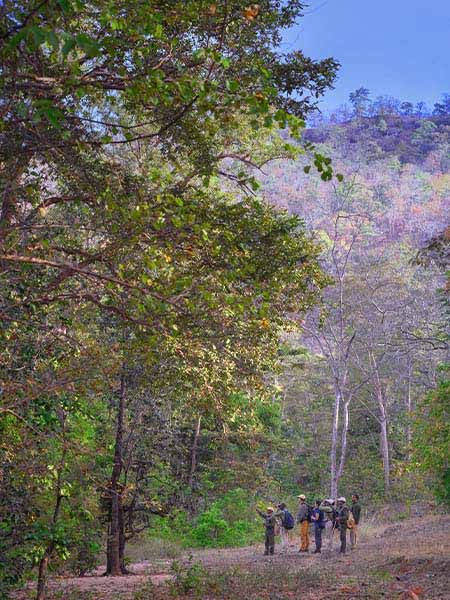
318,518
269,523
342,515
286,523
327,509
303,519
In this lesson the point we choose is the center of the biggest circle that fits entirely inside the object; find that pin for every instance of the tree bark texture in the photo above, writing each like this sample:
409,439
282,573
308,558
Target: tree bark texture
114,562
44,562
194,452
334,438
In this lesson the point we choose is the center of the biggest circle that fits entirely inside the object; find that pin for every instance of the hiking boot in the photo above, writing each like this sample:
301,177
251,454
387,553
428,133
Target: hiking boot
317,552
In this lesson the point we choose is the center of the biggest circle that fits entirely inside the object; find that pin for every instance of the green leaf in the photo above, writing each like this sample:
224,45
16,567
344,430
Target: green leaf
231,85
52,39
15,40
68,46
88,44
65,6
254,184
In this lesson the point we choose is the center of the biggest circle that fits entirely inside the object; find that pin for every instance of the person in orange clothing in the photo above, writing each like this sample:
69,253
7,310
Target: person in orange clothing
304,519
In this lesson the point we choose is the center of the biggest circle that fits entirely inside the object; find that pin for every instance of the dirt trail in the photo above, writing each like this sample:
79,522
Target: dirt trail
408,561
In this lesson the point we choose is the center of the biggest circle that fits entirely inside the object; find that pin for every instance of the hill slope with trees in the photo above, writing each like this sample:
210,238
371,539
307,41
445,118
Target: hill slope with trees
367,357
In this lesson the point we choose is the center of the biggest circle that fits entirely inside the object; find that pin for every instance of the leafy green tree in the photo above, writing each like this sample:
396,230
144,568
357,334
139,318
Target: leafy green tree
121,123
222,336
432,439
432,432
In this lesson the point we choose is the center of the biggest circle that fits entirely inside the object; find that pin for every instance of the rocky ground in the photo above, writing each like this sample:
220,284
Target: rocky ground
408,561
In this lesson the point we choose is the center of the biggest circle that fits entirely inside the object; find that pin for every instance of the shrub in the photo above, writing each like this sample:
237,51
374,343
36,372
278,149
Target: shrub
188,578
230,521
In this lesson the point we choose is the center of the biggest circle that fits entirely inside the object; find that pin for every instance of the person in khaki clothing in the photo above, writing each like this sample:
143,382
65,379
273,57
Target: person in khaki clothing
328,511
269,523
355,509
303,521
342,522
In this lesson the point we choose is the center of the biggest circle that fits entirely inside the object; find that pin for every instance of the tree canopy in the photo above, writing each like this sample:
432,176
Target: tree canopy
136,290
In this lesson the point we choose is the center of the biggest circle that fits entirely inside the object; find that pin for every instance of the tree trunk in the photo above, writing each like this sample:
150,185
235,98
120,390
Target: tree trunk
108,549
384,439
344,432
194,452
385,452
43,563
334,438
122,539
114,566
409,409
42,577
384,431
8,197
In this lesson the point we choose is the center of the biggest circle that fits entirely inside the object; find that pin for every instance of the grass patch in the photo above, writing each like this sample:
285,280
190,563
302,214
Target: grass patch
262,581
152,549
72,595
368,530
381,575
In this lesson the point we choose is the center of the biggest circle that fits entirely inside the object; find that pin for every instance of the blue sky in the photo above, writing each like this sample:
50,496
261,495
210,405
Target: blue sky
395,47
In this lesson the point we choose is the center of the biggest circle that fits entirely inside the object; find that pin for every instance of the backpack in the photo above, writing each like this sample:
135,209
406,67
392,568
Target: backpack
309,513
288,522
319,517
321,521
351,520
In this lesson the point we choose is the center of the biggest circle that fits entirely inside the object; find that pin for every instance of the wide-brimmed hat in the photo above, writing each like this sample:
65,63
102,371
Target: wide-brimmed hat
342,499
269,508
302,497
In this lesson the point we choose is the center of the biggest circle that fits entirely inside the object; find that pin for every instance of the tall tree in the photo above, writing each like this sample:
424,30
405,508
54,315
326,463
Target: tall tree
118,119
360,99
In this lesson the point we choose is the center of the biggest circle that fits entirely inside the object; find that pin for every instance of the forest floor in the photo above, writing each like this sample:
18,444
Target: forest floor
406,561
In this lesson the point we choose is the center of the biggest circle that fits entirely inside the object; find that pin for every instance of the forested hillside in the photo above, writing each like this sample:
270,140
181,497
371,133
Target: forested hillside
371,352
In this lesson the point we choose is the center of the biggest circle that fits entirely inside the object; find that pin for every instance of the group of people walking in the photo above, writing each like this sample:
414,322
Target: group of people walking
327,516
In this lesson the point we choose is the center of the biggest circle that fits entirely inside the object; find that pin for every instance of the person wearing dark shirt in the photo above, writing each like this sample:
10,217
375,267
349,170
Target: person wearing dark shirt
318,520
269,523
355,509
342,515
